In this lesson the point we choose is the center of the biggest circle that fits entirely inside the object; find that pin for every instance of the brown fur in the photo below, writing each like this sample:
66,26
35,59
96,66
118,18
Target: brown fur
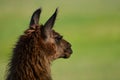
36,49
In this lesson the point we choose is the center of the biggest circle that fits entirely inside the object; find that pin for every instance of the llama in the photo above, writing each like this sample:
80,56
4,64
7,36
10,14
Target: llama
36,49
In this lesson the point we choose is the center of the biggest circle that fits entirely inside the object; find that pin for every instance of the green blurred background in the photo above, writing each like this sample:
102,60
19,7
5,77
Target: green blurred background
92,27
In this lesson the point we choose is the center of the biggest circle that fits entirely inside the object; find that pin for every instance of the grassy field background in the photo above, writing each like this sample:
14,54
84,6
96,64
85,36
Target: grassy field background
92,27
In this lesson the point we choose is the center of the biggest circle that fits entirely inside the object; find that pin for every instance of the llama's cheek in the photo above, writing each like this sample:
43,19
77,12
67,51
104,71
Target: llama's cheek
56,56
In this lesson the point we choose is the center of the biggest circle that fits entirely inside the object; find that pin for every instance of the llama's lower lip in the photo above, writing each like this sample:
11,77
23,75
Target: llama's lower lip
66,55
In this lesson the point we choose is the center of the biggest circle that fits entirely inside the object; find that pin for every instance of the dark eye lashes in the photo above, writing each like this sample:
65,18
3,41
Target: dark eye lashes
59,37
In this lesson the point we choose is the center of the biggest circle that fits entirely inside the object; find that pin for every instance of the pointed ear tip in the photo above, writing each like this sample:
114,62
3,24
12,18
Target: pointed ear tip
56,11
39,10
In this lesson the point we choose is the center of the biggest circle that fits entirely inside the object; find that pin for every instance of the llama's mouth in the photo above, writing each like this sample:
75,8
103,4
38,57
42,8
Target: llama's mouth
67,53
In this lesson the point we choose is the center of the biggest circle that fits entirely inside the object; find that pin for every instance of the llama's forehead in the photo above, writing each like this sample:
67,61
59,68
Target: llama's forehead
35,26
55,33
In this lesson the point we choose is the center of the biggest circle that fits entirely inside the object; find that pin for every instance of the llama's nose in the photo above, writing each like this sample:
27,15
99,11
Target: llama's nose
69,45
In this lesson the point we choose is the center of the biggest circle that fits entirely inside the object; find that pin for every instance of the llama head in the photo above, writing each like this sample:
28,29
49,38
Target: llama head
51,42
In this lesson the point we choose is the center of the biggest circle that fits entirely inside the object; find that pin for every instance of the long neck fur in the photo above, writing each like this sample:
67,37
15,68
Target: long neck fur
29,61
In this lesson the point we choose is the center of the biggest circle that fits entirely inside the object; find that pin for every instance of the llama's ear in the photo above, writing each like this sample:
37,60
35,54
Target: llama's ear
35,17
50,23
46,29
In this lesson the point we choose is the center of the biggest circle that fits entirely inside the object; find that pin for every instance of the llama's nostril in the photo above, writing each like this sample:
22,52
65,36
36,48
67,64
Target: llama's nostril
69,45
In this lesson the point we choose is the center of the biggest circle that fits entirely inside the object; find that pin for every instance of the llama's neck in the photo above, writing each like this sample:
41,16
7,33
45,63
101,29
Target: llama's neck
29,63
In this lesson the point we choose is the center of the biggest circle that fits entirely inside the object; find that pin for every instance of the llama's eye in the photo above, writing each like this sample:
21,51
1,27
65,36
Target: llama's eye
58,38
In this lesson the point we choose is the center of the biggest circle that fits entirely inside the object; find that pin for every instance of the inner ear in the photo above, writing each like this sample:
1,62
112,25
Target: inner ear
51,21
35,17
47,28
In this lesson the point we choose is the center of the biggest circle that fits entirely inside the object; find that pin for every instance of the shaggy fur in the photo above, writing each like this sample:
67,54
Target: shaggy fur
36,49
